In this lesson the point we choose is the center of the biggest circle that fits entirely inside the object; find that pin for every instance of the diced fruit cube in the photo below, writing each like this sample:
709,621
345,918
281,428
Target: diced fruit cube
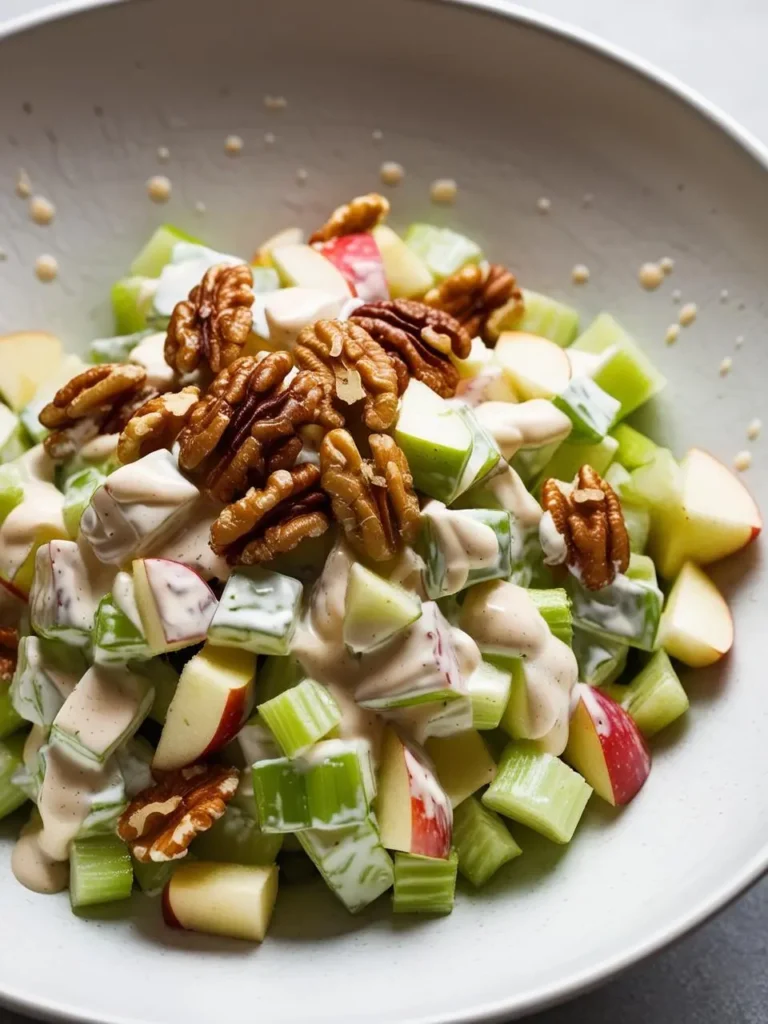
159,250
132,303
77,495
11,490
176,605
489,687
463,764
27,360
375,610
444,251
697,626
486,454
635,449
408,276
424,885
569,457
289,310
62,601
258,611
482,840
535,367
232,900
462,547
303,267
358,258
627,610
352,861
590,409
654,698
540,315
288,236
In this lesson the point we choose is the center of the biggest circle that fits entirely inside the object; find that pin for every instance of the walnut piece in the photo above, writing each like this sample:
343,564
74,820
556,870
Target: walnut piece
419,340
352,366
101,399
473,293
272,520
360,214
590,519
9,645
373,501
161,821
212,325
156,424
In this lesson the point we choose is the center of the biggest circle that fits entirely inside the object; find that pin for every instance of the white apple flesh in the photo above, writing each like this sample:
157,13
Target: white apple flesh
696,625
358,258
27,360
462,763
233,900
301,266
289,310
175,604
535,367
408,276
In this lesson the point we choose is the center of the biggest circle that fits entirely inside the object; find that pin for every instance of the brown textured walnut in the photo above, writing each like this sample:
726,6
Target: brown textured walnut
161,821
272,520
353,366
156,424
360,214
374,502
9,645
473,293
211,326
101,399
418,337
590,519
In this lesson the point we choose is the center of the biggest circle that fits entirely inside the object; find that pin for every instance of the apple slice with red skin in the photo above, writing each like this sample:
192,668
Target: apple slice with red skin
175,604
413,810
359,260
606,747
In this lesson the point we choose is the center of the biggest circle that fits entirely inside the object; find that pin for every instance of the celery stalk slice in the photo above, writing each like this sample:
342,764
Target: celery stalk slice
655,697
601,661
100,871
554,606
10,720
11,760
300,716
424,885
489,687
352,861
482,840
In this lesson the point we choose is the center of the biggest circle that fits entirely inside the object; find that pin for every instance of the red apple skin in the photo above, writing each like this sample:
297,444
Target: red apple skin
431,819
358,258
232,719
168,915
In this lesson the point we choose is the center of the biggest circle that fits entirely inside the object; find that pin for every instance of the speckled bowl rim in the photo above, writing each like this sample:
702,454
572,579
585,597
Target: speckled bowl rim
585,979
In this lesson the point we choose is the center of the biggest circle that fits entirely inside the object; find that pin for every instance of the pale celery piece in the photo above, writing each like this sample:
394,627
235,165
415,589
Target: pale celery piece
554,606
116,639
441,538
300,716
104,806
489,688
424,885
13,437
258,611
11,490
352,861
626,611
375,610
600,660
159,250
280,791
61,603
590,409
444,251
276,675
529,462
539,791
485,455
11,795
635,449
164,679
100,871
482,841
10,719
46,673
541,315
624,371
643,568
77,494
570,457
115,349
237,839
655,697
657,484
153,877
131,304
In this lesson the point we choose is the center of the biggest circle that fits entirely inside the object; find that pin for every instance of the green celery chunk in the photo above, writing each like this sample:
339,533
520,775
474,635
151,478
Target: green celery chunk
539,791
626,611
77,496
352,861
100,871
600,660
624,371
424,885
11,490
258,611
540,315
590,409
13,436
46,673
106,805
159,250
635,449
444,251
61,604
528,463
153,877
641,567
482,840
280,791
11,760
275,676
131,303
116,349
237,839
116,640
300,716
554,606
164,679
654,698
489,688
455,546
570,457
10,720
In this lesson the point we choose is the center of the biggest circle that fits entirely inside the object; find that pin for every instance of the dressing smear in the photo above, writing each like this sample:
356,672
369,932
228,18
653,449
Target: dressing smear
532,424
465,543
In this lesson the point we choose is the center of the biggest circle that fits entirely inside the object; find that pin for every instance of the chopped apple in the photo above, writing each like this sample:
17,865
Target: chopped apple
606,746
302,266
176,605
375,610
211,703
27,359
359,260
408,276
233,900
288,236
696,626
535,367
414,812
290,309
64,596
463,764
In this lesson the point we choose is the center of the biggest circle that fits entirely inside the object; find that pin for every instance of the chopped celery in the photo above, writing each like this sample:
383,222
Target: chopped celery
237,839
13,438
540,315
258,611
116,639
529,462
635,449
153,877
539,791
352,861
600,660
10,719
164,679
77,495
654,698
554,606
488,687
62,605
11,760
638,523
462,763
300,716
516,718
624,371
159,249
444,251
253,743
275,676
481,535
116,349
482,840
46,673
641,567
11,489
375,610
570,457
627,610
424,885
280,791
590,409
100,871
131,302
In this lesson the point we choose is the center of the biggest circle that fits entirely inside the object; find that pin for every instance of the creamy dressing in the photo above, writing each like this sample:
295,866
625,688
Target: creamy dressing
465,544
124,597
553,543
510,493
150,353
100,448
532,424
37,517
289,310
503,620
33,867
190,542
185,603
65,593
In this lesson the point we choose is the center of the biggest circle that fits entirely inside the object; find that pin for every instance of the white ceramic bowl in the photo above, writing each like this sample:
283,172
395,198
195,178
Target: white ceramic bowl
513,110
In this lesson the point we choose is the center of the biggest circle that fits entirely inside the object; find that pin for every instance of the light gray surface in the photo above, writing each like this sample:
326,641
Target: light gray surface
718,974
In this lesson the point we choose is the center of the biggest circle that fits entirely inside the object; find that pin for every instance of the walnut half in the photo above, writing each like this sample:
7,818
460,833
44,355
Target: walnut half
360,214
474,293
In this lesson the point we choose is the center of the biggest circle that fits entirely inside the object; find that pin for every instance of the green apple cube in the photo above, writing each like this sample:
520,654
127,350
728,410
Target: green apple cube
600,660
489,688
444,251
654,698
258,611
116,638
159,250
300,717
47,671
657,484
424,885
62,603
353,863
408,276
626,611
538,790
237,839
590,409
14,440
116,349
539,315
11,795
375,610
276,675
11,490
123,697
482,841
570,457
635,449
624,371
638,524
485,456
132,303
435,439
462,547
77,495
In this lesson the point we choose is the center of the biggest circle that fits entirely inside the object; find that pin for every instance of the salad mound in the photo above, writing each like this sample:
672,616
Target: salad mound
347,552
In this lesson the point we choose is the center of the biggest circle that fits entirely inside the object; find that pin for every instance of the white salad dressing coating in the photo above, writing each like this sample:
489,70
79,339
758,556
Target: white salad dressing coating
510,492
532,424
289,310
182,598
100,448
38,514
124,597
465,543
552,542
190,542
150,353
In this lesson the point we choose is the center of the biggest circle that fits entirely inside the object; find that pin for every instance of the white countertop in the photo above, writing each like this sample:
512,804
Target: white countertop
716,976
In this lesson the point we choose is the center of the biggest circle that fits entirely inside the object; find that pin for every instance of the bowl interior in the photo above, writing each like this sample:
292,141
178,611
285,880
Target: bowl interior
513,113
